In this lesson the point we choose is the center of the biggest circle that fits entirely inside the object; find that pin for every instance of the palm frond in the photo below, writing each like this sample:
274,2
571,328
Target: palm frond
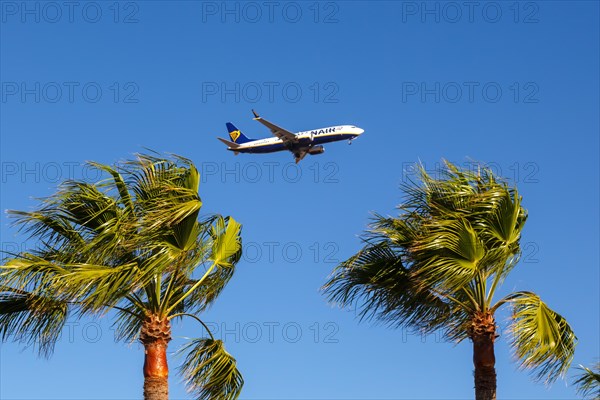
35,320
375,281
96,287
131,242
128,322
119,183
209,371
448,254
227,245
588,381
541,338
500,218
48,225
204,295
85,205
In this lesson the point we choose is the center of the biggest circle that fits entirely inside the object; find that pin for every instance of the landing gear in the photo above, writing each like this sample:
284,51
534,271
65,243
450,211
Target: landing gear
349,141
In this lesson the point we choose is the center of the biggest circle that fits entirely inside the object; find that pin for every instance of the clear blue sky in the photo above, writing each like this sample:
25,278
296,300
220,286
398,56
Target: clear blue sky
511,84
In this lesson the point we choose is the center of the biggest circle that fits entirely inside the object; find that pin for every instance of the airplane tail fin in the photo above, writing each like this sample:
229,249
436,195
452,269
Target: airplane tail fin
236,135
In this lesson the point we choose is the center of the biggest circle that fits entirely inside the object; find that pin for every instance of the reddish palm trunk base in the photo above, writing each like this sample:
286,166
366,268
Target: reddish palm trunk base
483,334
156,372
155,336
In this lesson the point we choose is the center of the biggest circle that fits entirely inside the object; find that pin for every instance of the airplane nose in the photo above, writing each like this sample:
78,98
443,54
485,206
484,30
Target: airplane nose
360,131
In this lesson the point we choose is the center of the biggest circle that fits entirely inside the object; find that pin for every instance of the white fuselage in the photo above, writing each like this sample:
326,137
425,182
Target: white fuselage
304,138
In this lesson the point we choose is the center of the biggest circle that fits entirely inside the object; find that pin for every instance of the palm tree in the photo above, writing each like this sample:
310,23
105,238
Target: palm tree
588,381
131,244
438,265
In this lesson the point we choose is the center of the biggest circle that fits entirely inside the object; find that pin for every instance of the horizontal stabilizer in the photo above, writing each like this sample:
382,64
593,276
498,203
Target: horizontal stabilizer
228,143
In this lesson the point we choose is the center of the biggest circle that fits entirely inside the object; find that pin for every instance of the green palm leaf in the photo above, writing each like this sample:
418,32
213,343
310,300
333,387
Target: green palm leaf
448,254
132,243
588,382
376,282
226,242
438,264
541,338
209,371
32,319
120,184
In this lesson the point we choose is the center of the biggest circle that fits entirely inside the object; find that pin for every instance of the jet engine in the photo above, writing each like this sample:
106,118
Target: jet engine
316,150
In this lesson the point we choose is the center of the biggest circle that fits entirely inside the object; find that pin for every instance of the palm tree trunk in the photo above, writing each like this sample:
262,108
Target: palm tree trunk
485,373
155,336
483,335
156,372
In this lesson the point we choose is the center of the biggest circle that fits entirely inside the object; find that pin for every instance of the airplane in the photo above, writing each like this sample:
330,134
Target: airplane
299,143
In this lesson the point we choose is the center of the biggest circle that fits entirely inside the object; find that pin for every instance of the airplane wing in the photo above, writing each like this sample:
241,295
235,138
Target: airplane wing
299,155
283,134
